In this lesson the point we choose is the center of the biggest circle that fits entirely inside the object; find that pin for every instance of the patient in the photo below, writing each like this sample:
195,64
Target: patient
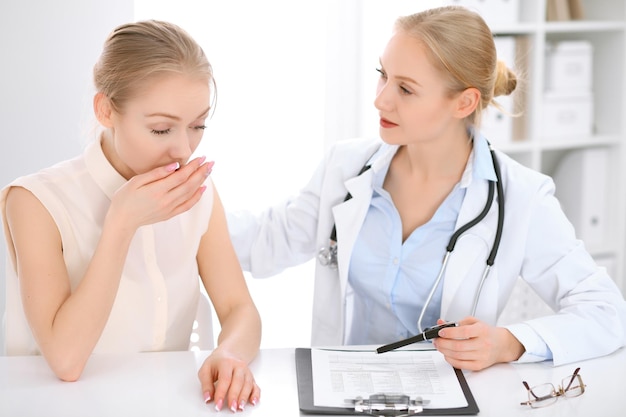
106,249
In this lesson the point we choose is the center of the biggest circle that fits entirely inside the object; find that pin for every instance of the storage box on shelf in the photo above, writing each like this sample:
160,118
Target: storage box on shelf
569,67
568,90
567,116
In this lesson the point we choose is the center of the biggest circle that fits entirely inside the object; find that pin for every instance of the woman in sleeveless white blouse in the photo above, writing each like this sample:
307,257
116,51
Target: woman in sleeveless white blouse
106,250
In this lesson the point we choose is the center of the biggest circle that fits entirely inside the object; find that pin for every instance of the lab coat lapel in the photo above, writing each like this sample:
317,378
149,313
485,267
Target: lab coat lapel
349,217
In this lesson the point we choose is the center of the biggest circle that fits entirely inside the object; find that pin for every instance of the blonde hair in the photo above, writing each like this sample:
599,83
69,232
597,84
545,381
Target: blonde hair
136,53
461,46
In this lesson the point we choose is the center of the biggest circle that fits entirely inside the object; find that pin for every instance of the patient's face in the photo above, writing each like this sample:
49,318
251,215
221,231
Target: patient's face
161,125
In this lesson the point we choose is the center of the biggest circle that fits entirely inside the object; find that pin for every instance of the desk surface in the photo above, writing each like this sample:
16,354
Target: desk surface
165,384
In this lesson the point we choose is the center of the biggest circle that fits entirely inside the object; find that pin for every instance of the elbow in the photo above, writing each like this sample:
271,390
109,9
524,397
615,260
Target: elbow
68,376
69,373
66,368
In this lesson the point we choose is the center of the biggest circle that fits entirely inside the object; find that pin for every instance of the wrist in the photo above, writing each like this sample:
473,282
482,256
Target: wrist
513,348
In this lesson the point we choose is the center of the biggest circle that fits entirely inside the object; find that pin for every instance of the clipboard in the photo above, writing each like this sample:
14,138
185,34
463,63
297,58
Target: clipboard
307,405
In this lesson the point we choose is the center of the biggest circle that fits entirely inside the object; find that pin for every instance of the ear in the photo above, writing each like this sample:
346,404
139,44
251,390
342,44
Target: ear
102,109
467,101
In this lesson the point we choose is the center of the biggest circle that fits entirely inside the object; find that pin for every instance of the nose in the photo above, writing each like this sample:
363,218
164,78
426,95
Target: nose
382,100
180,148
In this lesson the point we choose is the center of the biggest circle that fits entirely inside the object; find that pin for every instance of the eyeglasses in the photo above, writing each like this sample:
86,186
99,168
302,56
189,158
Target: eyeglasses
545,394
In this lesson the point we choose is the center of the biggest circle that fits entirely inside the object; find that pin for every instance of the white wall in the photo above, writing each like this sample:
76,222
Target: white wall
48,49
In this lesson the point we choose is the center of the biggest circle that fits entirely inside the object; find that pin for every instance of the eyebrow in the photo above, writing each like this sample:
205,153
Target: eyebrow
401,77
174,117
407,79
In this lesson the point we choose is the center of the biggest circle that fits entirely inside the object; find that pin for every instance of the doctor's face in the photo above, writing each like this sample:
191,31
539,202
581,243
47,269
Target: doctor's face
161,125
412,98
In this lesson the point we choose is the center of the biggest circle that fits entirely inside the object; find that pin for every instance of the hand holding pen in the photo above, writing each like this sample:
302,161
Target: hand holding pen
429,333
470,343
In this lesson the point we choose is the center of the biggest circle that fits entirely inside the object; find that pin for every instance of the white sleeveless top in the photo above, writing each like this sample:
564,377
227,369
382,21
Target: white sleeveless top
158,294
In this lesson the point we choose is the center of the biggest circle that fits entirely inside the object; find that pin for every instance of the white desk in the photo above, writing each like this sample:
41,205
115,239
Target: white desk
165,384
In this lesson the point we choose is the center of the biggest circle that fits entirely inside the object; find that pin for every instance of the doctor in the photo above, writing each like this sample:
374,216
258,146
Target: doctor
390,208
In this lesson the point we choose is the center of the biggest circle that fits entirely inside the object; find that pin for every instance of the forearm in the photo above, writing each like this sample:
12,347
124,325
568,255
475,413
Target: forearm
241,333
78,323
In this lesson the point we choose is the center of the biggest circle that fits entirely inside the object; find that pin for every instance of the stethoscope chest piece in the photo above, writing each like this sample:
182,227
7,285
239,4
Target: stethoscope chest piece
328,256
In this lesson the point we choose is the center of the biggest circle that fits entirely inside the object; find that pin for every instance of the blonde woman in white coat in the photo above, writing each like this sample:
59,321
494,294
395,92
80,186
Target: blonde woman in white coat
427,177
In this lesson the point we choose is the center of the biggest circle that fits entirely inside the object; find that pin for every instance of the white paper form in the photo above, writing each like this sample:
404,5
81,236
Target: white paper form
340,374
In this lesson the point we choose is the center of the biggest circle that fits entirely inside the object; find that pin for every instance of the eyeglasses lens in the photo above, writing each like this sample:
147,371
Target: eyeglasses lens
575,389
542,395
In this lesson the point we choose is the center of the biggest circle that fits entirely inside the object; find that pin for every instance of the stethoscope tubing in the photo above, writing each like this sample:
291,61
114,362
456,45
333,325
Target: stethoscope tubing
451,245
328,256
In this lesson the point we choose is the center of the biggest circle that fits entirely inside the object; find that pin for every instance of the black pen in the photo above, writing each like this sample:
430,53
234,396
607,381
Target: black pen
428,334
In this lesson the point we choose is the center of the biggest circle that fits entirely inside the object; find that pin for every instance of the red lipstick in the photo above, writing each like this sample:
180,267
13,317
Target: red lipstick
386,123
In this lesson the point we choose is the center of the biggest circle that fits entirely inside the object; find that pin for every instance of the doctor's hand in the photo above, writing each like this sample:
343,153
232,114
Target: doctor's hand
475,345
228,382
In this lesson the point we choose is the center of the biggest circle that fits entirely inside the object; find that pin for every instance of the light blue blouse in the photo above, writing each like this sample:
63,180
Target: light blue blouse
390,280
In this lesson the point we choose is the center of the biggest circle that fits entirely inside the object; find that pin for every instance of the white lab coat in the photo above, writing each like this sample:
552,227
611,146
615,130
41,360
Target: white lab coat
538,244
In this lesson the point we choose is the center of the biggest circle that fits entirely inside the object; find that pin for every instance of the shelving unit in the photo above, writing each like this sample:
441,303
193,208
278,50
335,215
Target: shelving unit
604,26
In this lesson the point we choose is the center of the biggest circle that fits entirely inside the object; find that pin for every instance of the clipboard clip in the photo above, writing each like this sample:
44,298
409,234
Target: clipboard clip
383,405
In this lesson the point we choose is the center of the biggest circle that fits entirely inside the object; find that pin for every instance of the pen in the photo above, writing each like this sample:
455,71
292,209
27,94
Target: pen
428,334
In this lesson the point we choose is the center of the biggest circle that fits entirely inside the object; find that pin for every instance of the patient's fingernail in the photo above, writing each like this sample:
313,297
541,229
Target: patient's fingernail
207,397
233,406
242,405
218,405
210,165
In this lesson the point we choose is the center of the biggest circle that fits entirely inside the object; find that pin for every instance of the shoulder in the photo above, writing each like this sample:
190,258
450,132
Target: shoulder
43,193
58,174
25,187
18,202
16,196
527,191
24,216
521,178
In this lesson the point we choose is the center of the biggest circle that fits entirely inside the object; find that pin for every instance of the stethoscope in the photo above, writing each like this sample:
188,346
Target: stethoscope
328,256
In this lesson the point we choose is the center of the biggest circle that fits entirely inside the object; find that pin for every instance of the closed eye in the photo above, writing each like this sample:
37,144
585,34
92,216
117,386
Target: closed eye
160,132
